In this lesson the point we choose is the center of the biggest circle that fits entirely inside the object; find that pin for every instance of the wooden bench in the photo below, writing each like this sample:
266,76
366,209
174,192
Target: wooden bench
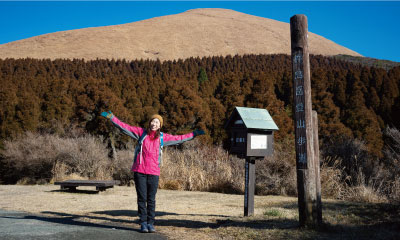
100,185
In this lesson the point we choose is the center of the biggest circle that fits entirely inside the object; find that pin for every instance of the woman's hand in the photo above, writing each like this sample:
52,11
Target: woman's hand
107,115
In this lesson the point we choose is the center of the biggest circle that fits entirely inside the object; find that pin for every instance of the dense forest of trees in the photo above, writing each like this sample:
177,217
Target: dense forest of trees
353,101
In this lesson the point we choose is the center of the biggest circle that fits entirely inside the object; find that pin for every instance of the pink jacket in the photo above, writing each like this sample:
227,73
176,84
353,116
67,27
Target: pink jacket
148,158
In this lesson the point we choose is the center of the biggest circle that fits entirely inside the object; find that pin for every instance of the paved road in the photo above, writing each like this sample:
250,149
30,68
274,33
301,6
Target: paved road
21,225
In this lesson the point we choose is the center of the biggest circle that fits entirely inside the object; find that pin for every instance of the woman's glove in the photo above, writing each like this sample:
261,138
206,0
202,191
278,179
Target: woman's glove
107,115
198,132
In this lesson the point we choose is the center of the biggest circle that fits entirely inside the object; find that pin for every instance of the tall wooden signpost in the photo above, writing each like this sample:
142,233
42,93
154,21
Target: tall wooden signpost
303,123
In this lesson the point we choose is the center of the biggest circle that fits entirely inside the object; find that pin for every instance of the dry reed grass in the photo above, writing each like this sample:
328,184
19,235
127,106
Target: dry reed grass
41,158
276,175
36,157
200,167
331,177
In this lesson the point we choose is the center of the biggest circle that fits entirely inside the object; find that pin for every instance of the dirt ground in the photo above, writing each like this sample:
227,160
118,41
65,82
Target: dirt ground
180,214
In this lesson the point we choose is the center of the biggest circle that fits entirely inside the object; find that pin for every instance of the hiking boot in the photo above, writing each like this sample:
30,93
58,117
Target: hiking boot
151,228
143,228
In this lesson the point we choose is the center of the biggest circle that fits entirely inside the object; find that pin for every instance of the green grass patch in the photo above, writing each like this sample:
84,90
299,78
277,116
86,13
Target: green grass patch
273,213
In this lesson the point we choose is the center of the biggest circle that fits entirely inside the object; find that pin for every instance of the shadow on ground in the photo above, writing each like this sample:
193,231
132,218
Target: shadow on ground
78,191
361,221
184,223
130,213
343,220
23,225
367,213
68,219
256,224
352,220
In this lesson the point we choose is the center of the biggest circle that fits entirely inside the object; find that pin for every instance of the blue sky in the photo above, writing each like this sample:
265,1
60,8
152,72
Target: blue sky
369,28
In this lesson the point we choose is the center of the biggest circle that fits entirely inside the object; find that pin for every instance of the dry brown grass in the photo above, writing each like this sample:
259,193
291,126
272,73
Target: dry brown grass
331,174
194,33
42,158
201,168
335,184
198,215
193,167
34,158
277,174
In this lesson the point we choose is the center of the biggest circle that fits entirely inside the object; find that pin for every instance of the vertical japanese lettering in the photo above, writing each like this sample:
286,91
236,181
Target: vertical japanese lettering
302,158
300,123
298,75
301,141
299,91
297,59
300,107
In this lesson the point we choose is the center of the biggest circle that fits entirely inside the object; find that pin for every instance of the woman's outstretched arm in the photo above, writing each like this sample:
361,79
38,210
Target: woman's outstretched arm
132,131
178,139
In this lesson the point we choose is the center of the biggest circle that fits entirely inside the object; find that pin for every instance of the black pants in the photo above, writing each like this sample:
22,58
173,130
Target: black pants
146,189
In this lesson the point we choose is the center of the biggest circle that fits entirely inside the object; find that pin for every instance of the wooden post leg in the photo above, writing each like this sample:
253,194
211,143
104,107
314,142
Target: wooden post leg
250,176
101,189
317,168
69,188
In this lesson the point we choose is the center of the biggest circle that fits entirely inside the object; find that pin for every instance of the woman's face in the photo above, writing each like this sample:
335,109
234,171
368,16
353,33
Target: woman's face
154,124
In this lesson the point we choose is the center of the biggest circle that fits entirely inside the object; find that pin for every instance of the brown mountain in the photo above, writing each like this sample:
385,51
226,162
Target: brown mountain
198,32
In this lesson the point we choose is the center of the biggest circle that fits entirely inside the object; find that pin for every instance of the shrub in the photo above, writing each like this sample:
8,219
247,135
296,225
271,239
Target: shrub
122,164
49,157
346,172
331,175
391,162
277,174
353,157
198,167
